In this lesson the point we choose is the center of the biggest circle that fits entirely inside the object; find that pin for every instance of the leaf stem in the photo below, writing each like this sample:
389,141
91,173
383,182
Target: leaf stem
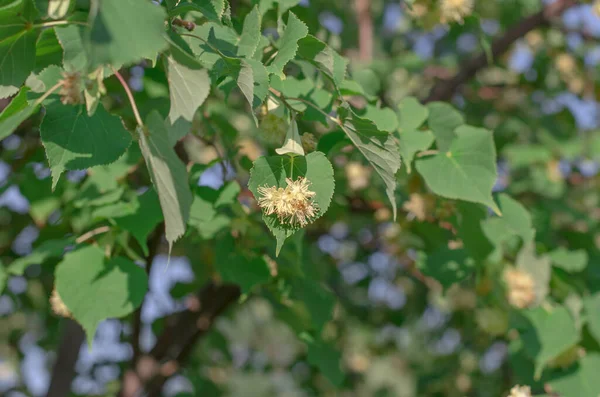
286,103
136,113
212,47
58,23
48,93
427,153
92,233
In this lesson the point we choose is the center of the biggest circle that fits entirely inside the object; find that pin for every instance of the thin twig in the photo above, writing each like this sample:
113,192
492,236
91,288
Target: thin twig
365,29
86,236
136,113
63,371
58,23
48,93
187,25
213,300
177,340
445,89
285,100
153,246
427,153
212,47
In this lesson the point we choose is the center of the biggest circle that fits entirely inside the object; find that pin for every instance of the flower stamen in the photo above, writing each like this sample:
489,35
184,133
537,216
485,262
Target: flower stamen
293,205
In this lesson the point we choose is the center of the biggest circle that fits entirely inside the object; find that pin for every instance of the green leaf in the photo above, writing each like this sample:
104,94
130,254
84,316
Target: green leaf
15,113
467,171
379,148
168,175
48,249
591,305
539,268
319,300
144,220
214,37
272,171
205,216
126,31
324,57
412,114
522,155
250,34
293,142
446,266
384,118
75,141
327,359
188,90
308,91
247,271
17,44
48,51
253,81
443,121
71,39
470,230
570,261
368,83
265,5
548,334
515,221
3,277
581,381
288,44
212,9
101,289
411,142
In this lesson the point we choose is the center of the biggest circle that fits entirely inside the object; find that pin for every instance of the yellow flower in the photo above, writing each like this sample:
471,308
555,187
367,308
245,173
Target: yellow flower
58,306
309,142
520,391
520,288
455,10
596,8
293,205
71,91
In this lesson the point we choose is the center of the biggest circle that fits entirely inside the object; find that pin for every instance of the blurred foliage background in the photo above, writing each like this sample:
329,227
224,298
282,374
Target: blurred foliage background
435,303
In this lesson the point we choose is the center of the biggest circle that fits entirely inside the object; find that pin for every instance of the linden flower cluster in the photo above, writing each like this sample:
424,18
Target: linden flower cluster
71,90
520,288
455,10
520,391
293,205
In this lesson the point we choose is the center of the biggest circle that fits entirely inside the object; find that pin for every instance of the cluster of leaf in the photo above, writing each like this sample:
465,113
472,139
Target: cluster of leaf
213,79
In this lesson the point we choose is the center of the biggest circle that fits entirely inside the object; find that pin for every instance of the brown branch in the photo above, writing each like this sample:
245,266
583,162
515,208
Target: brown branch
178,339
63,372
365,29
153,246
187,25
445,89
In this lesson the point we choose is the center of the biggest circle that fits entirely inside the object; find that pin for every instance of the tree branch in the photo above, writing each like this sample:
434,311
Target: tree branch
365,29
63,372
445,89
178,339
153,246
